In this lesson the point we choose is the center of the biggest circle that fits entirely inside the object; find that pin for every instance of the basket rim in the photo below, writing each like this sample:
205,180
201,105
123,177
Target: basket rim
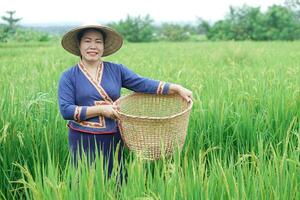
189,107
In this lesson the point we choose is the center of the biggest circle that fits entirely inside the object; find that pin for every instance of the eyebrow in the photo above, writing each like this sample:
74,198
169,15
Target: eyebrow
91,38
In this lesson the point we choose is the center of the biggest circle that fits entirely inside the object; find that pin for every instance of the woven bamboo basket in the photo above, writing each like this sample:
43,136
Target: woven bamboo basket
153,126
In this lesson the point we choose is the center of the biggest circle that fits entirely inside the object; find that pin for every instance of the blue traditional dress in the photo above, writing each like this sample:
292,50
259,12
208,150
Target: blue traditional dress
78,90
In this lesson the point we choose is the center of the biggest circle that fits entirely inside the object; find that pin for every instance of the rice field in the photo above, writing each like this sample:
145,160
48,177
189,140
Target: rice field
243,140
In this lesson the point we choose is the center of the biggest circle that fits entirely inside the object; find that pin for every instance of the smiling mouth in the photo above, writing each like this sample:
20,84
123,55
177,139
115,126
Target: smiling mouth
92,53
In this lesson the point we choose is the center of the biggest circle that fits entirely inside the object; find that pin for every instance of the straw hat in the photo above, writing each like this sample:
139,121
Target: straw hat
113,40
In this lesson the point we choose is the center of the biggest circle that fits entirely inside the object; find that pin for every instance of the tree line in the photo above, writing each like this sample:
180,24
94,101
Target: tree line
278,22
249,23
241,23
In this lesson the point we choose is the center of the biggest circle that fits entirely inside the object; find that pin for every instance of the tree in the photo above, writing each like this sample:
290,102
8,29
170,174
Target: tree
249,23
135,29
4,33
281,24
202,26
174,32
11,20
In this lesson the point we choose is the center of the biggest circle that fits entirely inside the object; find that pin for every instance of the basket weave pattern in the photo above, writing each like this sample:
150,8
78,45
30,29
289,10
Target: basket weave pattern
153,125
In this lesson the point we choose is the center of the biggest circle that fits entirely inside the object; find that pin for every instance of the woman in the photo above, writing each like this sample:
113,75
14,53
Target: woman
88,89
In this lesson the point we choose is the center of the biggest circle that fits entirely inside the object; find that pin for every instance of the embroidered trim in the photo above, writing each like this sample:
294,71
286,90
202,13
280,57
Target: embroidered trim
77,113
100,73
88,124
101,118
91,132
160,88
94,82
91,124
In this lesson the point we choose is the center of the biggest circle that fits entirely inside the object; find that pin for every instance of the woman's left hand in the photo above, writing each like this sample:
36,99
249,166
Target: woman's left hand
178,89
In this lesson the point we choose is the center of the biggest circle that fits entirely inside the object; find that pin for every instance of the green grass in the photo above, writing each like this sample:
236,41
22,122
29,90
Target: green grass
243,140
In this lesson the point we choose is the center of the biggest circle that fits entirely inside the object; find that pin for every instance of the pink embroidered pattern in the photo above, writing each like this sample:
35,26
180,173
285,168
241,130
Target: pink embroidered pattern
160,88
91,124
77,113
94,82
100,124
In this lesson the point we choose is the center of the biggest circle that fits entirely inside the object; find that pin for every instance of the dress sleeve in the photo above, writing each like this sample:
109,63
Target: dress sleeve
133,81
66,99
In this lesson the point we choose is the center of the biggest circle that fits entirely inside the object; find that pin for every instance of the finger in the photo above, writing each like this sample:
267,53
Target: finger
107,103
112,116
190,95
185,97
188,99
116,115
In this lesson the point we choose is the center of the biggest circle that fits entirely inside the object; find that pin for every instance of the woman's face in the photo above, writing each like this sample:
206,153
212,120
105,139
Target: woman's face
91,46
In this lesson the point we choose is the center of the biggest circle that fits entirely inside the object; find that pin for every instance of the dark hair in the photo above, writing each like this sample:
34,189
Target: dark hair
82,32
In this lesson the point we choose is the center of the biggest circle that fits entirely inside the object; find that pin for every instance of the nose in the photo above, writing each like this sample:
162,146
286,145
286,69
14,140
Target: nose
92,46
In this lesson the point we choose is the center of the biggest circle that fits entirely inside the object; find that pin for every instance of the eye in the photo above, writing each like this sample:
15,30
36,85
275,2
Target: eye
99,41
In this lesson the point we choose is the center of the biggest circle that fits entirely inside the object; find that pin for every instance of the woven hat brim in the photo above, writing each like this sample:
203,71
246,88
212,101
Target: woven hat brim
113,40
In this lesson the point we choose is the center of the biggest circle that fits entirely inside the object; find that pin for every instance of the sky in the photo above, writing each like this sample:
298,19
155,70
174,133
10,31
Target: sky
41,12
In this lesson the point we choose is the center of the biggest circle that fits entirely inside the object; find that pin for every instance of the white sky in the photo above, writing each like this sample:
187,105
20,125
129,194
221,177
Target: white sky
69,11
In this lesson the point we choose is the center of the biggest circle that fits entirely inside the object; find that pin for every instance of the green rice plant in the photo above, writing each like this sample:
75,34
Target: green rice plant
243,140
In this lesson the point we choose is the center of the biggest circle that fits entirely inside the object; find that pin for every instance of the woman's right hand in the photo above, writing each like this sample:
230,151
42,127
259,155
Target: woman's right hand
109,111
